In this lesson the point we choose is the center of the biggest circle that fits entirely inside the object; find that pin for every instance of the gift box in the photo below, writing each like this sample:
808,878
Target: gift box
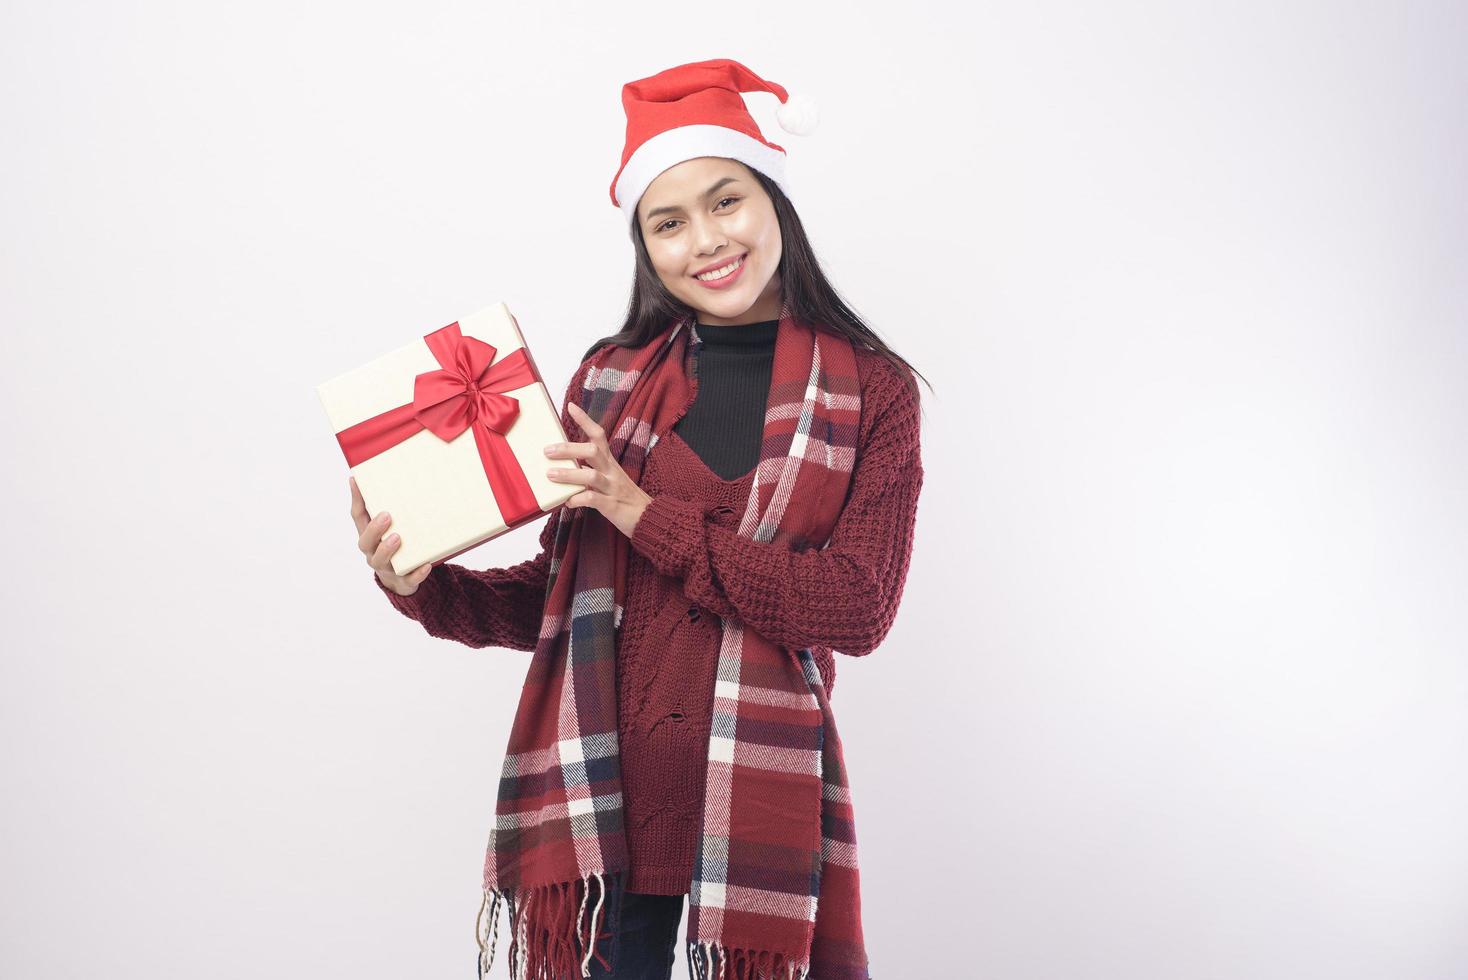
448,434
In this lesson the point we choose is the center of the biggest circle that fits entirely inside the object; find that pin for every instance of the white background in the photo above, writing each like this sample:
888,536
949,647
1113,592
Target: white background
1177,689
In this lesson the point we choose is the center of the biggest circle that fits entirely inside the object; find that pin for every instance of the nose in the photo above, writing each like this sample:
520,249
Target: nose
710,237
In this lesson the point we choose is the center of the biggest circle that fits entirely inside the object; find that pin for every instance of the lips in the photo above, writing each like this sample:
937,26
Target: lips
720,264
729,281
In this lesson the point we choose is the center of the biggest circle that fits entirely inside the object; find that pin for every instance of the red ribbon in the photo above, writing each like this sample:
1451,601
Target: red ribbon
465,393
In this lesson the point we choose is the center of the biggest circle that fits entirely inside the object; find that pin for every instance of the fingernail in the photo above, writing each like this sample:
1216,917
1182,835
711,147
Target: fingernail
392,539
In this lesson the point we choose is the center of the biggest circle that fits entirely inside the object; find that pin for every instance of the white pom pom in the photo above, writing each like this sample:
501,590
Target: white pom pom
798,115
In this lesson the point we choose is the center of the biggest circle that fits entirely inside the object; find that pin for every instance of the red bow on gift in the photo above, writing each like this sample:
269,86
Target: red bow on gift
467,392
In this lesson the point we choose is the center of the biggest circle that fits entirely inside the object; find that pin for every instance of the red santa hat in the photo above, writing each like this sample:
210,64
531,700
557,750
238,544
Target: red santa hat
696,110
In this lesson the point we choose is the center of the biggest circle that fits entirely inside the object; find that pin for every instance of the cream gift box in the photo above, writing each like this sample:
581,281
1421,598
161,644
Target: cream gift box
448,434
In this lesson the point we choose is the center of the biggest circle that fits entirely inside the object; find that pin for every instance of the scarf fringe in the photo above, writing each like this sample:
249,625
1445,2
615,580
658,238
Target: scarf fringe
741,964
560,945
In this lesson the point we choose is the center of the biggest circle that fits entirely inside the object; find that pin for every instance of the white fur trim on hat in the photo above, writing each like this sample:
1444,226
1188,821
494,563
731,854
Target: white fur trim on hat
673,146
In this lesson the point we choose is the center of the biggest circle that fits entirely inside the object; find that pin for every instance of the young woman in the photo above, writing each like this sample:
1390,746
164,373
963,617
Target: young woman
750,456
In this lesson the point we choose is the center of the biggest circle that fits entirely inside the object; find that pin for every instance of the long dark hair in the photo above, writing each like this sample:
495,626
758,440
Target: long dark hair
803,286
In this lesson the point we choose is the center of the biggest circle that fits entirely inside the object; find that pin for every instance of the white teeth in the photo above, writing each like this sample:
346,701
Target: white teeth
721,273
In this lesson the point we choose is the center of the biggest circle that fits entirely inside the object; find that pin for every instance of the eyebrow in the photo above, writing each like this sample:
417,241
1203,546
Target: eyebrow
672,207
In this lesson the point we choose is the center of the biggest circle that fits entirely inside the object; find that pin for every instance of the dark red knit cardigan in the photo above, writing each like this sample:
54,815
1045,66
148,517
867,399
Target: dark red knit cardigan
688,566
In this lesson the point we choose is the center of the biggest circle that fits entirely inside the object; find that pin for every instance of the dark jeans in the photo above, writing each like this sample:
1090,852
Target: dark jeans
649,937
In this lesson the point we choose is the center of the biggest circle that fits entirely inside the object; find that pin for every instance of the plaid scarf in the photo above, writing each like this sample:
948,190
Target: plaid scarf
775,892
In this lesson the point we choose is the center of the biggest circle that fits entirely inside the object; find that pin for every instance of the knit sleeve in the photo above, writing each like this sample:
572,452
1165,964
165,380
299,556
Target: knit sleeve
843,596
493,607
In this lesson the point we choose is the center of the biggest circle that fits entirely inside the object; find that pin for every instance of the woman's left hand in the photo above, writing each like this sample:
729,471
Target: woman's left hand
608,487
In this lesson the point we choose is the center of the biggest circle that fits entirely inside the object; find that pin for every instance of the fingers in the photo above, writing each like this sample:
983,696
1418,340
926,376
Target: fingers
371,537
382,556
586,477
378,549
588,425
571,450
359,506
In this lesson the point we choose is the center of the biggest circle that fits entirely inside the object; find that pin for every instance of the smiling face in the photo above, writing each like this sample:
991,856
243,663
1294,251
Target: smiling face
702,215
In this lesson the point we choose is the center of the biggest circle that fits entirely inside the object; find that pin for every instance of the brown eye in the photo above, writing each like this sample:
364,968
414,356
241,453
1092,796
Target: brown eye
664,226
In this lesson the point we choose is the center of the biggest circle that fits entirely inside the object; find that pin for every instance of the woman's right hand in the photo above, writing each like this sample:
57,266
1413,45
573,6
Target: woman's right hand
379,552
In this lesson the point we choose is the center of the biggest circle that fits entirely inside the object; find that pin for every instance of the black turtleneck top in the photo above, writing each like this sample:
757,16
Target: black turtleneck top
725,424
